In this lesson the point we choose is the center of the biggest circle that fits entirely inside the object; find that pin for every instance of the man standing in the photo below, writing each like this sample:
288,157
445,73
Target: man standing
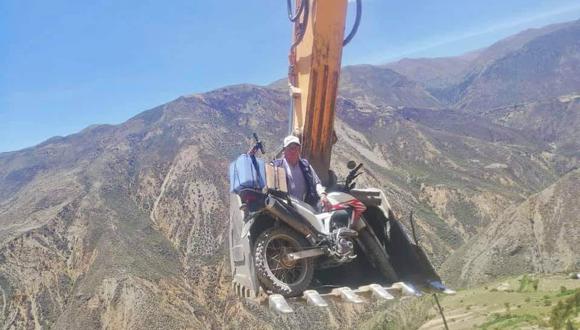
303,183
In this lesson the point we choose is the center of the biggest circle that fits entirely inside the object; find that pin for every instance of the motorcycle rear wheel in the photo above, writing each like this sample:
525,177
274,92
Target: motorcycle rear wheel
288,278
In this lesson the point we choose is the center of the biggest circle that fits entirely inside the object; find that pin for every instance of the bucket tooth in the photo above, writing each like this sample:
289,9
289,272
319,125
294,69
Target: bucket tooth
406,290
347,294
439,286
237,289
278,304
314,298
377,291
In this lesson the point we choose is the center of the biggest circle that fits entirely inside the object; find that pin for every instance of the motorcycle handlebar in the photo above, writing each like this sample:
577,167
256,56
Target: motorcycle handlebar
352,175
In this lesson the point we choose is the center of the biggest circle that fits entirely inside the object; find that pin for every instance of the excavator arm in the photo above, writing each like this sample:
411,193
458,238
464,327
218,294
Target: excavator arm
314,72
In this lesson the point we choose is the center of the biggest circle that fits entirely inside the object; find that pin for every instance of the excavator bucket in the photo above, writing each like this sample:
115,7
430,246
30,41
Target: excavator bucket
354,282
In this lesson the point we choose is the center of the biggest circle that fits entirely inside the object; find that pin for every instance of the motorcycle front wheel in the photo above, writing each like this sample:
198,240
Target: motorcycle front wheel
377,255
275,271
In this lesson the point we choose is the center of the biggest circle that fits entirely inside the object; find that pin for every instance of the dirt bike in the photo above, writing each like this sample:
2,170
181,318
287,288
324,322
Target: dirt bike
293,239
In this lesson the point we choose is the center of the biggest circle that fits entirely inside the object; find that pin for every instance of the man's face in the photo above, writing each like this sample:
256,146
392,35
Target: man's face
292,153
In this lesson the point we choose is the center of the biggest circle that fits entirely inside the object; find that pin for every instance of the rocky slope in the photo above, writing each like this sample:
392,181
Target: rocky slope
540,235
378,86
456,171
122,226
382,86
555,121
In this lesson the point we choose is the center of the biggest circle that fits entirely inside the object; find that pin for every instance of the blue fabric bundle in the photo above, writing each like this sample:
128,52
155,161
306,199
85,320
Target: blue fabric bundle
247,172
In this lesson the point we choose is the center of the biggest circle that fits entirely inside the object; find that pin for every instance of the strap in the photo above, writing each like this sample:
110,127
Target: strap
259,178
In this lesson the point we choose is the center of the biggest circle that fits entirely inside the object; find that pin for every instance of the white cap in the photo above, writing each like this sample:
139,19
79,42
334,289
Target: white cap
291,139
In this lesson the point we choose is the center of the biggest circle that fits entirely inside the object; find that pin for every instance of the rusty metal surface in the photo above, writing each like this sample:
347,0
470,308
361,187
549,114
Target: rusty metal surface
314,72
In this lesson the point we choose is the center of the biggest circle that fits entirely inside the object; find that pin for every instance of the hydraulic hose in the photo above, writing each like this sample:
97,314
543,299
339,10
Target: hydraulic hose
304,11
294,17
356,23
304,7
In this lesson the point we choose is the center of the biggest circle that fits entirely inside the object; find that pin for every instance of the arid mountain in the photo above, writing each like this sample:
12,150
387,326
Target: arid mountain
555,122
511,44
540,235
534,65
374,85
547,66
124,226
382,86
436,73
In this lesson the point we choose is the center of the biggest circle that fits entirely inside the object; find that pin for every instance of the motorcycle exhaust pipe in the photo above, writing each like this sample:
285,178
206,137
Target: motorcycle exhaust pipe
292,219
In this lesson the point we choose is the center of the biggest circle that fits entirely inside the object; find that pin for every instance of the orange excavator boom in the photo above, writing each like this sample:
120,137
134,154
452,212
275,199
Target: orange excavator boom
315,60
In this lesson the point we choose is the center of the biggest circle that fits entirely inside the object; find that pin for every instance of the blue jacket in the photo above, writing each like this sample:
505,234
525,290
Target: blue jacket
311,195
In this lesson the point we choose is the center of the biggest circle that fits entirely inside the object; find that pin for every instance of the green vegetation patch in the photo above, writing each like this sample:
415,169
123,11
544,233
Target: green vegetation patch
510,321
528,301
441,227
467,213
565,311
528,284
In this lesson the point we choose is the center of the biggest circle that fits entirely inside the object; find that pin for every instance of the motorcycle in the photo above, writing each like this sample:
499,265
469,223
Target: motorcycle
293,239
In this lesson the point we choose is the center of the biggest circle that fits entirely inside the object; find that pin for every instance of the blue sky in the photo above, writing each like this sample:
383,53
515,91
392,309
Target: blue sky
65,65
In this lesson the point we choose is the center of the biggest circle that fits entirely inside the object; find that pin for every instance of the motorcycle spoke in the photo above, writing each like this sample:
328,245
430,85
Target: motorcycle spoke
276,250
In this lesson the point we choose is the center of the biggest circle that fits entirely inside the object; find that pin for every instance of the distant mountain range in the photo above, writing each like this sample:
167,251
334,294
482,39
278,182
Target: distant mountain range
124,226
533,65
